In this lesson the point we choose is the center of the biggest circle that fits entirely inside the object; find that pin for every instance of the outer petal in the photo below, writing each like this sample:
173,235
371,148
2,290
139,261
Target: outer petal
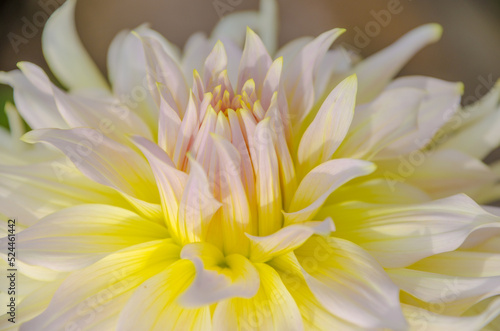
65,54
455,294
217,277
318,184
462,263
102,159
79,236
478,139
127,72
31,306
404,118
108,116
330,126
153,306
399,235
432,321
24,189
94,297
433,174
36,105
350,283
377,71
272,308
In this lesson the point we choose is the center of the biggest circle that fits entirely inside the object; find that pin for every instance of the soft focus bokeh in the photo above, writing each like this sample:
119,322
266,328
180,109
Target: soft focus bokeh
469,50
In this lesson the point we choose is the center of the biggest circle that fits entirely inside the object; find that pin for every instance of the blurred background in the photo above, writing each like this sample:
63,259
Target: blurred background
469,50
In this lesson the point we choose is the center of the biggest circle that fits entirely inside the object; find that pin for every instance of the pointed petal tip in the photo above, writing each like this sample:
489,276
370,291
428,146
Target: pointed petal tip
432,31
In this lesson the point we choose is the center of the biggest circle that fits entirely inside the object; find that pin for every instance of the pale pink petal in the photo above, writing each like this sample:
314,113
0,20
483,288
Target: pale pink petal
299,75
197,205
255,61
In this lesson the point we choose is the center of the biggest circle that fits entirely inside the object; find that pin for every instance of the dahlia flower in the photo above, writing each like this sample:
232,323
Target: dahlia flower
235,186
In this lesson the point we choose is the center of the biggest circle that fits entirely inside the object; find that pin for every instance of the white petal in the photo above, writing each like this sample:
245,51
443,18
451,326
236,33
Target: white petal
65,54
437,106
314,314
108,116
24,190
404,118
36,107
102,159
435,176
127,73
350,283
399,235
375,72
455,294
477,111
479,139
79,236
418,317
462,263
94,297
318,184
330,126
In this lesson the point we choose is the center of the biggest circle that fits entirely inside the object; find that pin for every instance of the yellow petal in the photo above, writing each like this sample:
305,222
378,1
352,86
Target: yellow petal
272,308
